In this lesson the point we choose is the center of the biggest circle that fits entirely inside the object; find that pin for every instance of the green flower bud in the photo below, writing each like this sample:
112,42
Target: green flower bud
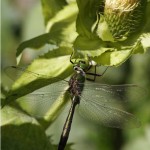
121,18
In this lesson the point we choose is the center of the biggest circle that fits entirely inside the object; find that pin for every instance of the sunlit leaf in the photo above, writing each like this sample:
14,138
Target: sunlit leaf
62,26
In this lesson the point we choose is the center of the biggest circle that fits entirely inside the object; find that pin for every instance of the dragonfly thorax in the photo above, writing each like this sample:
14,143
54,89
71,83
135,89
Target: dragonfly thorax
76,84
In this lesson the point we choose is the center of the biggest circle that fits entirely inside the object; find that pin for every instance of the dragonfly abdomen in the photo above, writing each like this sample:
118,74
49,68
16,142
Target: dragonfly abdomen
67,125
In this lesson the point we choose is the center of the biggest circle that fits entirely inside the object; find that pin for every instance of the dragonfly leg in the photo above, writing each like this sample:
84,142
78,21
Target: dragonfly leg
93,74
71,58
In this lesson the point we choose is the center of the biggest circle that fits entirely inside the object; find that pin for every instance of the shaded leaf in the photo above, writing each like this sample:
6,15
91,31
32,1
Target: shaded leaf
35,43
20,131
87,16
50,8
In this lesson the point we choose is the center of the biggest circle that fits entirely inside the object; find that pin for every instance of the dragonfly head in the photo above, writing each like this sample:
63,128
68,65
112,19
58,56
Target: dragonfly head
80,67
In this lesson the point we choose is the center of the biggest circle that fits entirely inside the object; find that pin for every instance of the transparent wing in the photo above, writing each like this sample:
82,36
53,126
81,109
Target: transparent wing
40,101
104,104
119,91
108,116
14,72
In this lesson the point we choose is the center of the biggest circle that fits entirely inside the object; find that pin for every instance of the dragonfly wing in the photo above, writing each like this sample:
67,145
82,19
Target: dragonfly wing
14,72
106,110
119,91
40,101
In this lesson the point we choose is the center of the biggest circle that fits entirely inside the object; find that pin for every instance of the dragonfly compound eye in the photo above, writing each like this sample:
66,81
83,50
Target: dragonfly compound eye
75,68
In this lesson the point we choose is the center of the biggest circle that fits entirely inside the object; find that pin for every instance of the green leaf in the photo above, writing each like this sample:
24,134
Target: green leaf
62,26
47,69
13,116
51,8
85,43
142,44
35,43
114,58
145,41
146,24
104,53
107,53
103,30
20,131
61,30
87,16
84,46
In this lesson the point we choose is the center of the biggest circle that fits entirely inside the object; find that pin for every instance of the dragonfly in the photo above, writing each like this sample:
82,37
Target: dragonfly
100,103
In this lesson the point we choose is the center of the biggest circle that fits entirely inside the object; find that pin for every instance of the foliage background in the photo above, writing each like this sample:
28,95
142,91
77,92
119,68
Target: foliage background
22,20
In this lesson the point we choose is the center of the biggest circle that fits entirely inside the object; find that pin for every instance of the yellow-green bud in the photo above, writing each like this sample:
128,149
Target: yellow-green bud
123,18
